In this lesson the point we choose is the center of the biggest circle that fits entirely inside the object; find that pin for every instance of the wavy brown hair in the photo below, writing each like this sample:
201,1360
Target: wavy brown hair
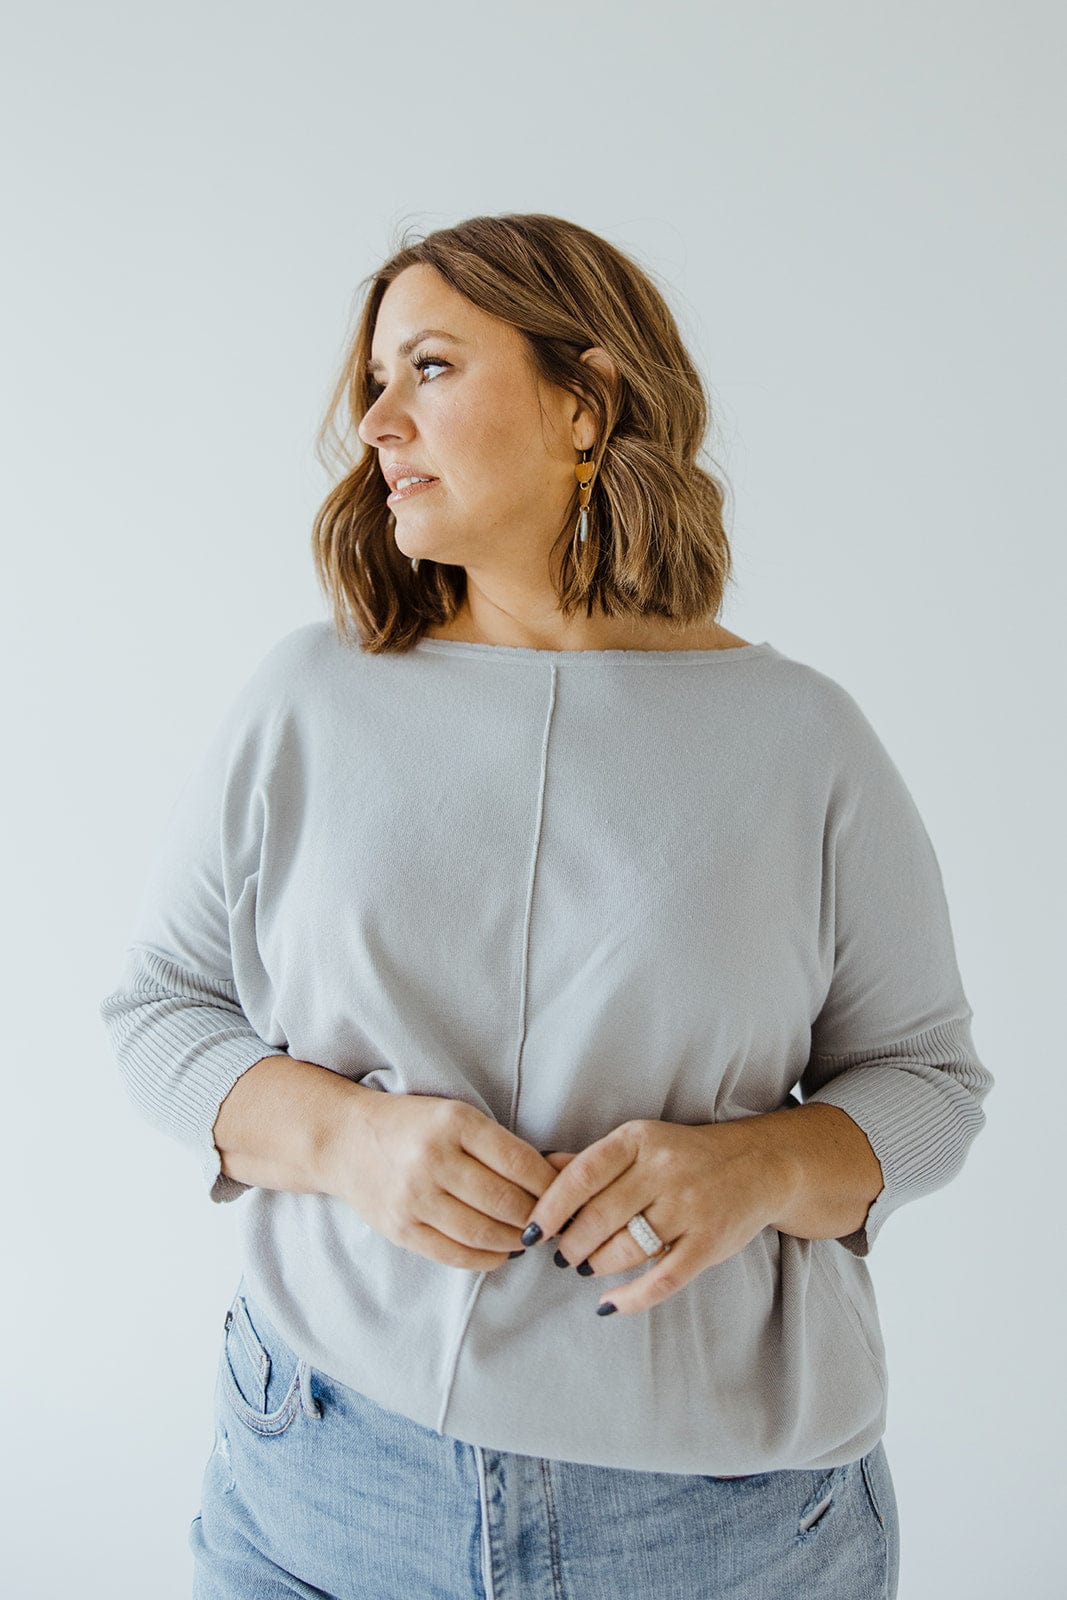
657,544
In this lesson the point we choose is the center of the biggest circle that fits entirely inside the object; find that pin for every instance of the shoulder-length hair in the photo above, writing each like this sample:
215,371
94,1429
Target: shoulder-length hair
656,543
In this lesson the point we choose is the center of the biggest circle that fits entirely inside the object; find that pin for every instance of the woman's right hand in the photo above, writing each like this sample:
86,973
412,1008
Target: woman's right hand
436,1176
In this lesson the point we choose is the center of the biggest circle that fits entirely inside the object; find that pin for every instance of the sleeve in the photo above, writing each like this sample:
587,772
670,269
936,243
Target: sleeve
892,1043
176,1024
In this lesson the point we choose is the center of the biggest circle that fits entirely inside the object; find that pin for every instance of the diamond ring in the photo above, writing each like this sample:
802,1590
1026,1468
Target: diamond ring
646,1236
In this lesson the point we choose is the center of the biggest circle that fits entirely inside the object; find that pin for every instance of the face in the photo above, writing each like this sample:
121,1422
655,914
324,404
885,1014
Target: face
476,417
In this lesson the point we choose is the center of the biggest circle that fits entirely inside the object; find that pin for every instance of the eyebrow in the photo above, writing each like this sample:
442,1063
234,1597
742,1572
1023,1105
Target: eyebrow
409,344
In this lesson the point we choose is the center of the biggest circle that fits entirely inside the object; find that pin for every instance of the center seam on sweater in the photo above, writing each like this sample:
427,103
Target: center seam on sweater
468,1310
530,879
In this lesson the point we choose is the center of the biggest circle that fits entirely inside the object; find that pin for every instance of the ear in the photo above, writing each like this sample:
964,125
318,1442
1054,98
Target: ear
597,357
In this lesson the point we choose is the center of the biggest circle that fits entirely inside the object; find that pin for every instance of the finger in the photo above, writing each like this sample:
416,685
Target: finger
504,1153
578,1184
620,1253
559,1158
467,1225
485,1190
662,1278
437,1246
601,1219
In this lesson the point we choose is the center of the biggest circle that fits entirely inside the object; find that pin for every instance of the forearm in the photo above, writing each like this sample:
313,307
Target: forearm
828,1175
280,1125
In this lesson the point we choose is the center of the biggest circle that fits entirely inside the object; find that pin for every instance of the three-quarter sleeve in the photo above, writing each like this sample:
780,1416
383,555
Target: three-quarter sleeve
891,1044
178,1021
181,1042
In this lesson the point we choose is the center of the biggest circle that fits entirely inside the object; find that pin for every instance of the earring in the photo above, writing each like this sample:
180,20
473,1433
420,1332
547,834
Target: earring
585,471
414,563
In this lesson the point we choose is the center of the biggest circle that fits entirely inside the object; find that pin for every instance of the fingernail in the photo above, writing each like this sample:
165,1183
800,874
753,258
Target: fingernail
585,1269
513,1253
560,1259
606,1309
531,1233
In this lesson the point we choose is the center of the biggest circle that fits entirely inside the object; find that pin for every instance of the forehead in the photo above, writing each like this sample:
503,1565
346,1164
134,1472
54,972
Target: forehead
419,298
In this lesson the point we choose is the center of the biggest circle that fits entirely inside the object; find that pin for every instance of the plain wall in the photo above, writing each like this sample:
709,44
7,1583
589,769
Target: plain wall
856,211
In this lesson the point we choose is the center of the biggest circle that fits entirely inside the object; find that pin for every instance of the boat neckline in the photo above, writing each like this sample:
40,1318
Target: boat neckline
508,652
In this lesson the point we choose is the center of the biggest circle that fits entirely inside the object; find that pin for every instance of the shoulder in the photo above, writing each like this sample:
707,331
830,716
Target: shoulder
308,648
825,728
293,670
831,710
262,700
817,706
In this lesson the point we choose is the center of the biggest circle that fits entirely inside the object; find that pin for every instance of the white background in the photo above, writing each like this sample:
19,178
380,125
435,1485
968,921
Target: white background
858,210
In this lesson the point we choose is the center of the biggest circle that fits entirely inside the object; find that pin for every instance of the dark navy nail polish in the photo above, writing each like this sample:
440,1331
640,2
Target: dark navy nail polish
560,1259
513,1253
606,1309
585,1269
531,1233
545,1153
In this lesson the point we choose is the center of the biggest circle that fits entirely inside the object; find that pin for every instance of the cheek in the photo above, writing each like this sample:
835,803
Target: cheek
463,434
494,451
489,433
515,442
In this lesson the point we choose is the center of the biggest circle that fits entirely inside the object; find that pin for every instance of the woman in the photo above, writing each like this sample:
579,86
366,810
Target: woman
483,951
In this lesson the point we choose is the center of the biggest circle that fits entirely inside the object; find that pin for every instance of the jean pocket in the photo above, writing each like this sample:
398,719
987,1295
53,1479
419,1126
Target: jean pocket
262,1378
871,1466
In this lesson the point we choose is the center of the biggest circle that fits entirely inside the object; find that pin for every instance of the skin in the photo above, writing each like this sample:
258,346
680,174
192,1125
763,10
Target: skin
504,445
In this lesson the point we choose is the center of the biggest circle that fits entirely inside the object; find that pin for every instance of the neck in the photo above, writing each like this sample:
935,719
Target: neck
486,623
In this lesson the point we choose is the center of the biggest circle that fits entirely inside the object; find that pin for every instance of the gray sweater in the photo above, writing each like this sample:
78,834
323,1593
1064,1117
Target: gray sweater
571,888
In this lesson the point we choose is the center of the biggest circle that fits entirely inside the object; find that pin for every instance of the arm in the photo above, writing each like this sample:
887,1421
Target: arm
181,1041
283,1123
430,1173
827,1173
891,1046
182,1020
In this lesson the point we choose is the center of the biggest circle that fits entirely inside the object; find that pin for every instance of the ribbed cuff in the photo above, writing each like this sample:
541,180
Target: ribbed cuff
919,1118
182,1041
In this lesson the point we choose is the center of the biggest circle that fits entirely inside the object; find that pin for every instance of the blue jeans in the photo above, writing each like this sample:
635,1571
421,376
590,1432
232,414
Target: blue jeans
312,1489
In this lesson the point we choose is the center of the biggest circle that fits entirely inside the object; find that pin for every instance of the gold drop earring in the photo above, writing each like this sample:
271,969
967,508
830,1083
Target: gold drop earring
584,471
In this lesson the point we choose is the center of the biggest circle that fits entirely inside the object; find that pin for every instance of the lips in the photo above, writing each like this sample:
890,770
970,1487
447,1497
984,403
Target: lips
409,490
404,469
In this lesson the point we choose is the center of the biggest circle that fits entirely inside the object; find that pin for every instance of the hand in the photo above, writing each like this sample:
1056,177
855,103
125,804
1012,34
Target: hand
436,1176
707,1190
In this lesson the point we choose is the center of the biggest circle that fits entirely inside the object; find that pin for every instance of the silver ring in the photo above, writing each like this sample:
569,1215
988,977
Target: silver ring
646,1236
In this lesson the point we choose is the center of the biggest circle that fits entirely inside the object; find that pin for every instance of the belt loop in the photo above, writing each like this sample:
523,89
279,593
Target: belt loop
311,1406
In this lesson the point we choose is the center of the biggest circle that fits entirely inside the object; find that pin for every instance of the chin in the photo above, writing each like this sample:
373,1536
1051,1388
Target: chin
426,550
425,554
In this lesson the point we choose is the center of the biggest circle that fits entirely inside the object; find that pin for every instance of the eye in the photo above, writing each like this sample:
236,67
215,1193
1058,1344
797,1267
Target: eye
419,361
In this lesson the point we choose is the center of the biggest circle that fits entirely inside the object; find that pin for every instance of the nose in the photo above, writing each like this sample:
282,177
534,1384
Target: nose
384,423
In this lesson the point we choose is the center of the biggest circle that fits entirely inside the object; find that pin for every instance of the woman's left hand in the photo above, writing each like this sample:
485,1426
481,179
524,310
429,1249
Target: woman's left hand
706,1190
